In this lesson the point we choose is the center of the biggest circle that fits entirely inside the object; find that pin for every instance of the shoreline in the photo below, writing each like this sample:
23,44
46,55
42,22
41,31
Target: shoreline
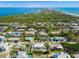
64,12
71,14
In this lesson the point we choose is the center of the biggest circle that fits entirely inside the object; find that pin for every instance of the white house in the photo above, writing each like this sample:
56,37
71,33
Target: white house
56,46
2,43
32,29
22,54
30,33
21,28
55,32
39,47
42,33
13,38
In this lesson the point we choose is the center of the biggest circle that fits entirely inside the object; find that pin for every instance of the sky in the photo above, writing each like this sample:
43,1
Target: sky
39,4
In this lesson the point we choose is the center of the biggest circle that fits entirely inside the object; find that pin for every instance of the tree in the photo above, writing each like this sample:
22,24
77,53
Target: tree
47,46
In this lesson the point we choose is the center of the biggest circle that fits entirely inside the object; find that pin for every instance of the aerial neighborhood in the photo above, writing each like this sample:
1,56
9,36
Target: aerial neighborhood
39,40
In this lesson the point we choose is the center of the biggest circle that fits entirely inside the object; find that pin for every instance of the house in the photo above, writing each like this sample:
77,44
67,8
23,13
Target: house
29,33
16,34
59,55
13,39
4,24
39,24
57,39
7,34
21,28
2,43
72,23
42,33
76,32
43,38
55,32
74,27
32,29
27,38
41,30
2,39
22,54
3,28
14,25
56,46
39,47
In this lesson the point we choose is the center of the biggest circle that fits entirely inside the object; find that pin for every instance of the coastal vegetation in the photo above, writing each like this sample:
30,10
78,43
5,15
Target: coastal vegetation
44,16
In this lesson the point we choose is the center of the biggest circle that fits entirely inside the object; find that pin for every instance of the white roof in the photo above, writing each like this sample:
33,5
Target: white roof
31,29
58,38
55,32
30,32
22,54
42,33
2,37
13,38
4,45
29,38
38,45
56,45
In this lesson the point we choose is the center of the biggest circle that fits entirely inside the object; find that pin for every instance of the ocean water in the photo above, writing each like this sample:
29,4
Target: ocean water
71,11
12,11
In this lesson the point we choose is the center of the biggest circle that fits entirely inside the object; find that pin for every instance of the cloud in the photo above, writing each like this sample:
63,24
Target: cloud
5,5
34,5
22,5
39,4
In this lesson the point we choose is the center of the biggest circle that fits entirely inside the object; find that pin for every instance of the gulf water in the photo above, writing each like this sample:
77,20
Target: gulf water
22,10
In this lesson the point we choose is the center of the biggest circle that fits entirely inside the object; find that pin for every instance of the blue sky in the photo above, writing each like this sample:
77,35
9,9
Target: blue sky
39,3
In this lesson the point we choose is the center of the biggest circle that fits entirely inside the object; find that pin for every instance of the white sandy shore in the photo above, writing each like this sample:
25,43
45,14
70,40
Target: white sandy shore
71,14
